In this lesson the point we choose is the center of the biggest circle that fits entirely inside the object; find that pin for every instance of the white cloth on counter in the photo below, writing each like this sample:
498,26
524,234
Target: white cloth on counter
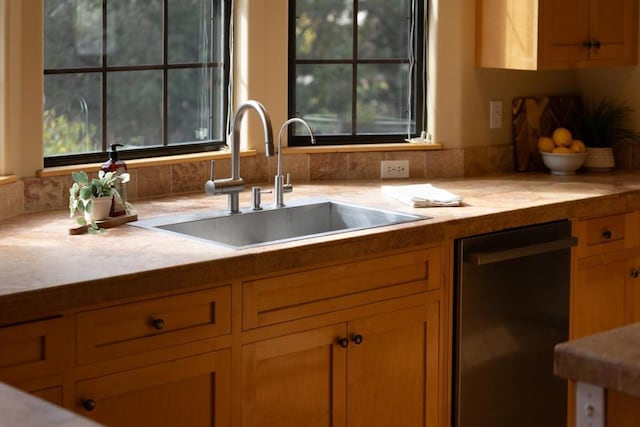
422,195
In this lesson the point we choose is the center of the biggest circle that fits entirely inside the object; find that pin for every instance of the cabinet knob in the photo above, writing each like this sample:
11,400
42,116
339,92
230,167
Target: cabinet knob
587,44
606,234
89,404
635,273
356,338
157,324
343,342
596,44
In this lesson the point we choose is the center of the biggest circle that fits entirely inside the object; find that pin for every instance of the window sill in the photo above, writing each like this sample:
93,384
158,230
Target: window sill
8,179
143,163
354,148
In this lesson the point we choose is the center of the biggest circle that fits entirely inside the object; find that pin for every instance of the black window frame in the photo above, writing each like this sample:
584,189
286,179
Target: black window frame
418,84
104,69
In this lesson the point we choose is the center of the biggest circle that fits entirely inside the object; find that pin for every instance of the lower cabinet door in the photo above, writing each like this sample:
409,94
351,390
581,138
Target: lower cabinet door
392,369
598,297
296,380
193,391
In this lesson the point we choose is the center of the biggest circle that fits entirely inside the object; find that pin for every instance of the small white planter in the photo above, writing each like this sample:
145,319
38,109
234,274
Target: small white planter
599,159
100,207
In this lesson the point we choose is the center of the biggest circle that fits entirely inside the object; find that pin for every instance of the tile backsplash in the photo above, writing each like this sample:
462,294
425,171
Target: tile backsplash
45,193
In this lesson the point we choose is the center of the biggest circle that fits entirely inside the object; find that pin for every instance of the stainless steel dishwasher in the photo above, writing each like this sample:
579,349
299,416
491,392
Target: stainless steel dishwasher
512,307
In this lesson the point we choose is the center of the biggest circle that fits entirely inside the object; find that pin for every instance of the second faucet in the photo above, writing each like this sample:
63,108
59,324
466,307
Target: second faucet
280,187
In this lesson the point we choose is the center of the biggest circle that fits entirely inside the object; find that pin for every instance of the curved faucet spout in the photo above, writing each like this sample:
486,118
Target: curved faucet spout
280,186
234,185
235,137
282,128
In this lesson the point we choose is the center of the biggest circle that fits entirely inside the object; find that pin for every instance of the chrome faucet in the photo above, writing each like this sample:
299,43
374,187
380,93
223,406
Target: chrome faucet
280,186
234,185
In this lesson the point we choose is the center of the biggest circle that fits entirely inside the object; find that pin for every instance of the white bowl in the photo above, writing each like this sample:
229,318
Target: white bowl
563,164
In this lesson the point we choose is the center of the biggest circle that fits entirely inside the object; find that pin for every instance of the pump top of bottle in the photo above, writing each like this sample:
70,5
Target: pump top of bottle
113,153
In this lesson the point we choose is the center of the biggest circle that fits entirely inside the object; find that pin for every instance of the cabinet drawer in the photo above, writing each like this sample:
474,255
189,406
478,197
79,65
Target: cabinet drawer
152,324
604,234
34,350
286,297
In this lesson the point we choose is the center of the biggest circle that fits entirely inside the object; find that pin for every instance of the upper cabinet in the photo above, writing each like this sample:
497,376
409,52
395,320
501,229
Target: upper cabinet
556,34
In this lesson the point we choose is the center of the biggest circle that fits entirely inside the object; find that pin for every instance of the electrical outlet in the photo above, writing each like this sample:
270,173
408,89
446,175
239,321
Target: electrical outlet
390,169
495,114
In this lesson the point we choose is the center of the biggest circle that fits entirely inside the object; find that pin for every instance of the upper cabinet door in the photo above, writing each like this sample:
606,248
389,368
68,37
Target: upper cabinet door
556,34
563,32
613,31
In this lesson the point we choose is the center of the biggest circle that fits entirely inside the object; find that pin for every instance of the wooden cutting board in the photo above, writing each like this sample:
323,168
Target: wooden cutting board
106,223
537,116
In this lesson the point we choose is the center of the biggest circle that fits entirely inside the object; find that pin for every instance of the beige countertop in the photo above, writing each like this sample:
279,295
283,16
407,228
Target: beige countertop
609,359
45,271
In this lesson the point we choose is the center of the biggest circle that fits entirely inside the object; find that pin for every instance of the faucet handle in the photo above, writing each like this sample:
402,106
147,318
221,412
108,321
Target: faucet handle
210,185
287,187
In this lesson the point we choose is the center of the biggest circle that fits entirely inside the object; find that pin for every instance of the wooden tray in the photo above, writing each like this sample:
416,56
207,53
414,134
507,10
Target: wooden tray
106,223
537,116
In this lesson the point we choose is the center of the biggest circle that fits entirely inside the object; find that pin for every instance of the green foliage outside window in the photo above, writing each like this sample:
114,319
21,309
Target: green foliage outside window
62,136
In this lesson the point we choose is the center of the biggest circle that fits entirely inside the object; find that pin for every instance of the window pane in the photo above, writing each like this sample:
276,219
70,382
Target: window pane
134,108
72,33
382,98
193,114
137,35
72,114
190,37
323,97
383,28
324,29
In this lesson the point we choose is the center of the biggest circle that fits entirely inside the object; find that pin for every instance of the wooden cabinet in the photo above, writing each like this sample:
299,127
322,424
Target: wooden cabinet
556,34
194,391
380,370
35,355
353,344
605,273
606,290
360,341
150,362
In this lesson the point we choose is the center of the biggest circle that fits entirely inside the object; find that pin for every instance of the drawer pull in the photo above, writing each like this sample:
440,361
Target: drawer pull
357,339
343,342
89,404
157,324
606,234
635,273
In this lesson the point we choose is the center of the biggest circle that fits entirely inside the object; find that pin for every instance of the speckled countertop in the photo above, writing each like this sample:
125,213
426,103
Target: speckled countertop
43,270
609,359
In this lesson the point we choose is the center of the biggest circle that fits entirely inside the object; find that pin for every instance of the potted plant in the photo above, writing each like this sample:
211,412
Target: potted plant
92,198
600,125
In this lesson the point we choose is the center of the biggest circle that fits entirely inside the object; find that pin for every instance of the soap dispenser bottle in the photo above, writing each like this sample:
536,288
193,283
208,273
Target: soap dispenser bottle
114,164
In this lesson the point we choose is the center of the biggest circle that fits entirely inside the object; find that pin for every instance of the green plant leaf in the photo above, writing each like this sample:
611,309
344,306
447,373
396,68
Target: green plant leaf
80,177
80,220
86,193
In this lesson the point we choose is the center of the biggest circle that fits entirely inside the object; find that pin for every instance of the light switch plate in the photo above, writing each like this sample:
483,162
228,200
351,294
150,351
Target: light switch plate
589,405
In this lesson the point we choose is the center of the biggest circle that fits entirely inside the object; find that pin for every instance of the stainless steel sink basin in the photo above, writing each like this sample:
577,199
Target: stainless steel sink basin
298,220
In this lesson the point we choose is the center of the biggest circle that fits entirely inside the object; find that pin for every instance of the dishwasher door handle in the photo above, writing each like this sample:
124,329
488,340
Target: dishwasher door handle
484,258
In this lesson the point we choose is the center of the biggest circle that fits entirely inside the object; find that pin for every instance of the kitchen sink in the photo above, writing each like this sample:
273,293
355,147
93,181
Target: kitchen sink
298,220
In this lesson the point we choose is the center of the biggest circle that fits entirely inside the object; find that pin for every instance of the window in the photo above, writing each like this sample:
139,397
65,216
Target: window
151,75
356,83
